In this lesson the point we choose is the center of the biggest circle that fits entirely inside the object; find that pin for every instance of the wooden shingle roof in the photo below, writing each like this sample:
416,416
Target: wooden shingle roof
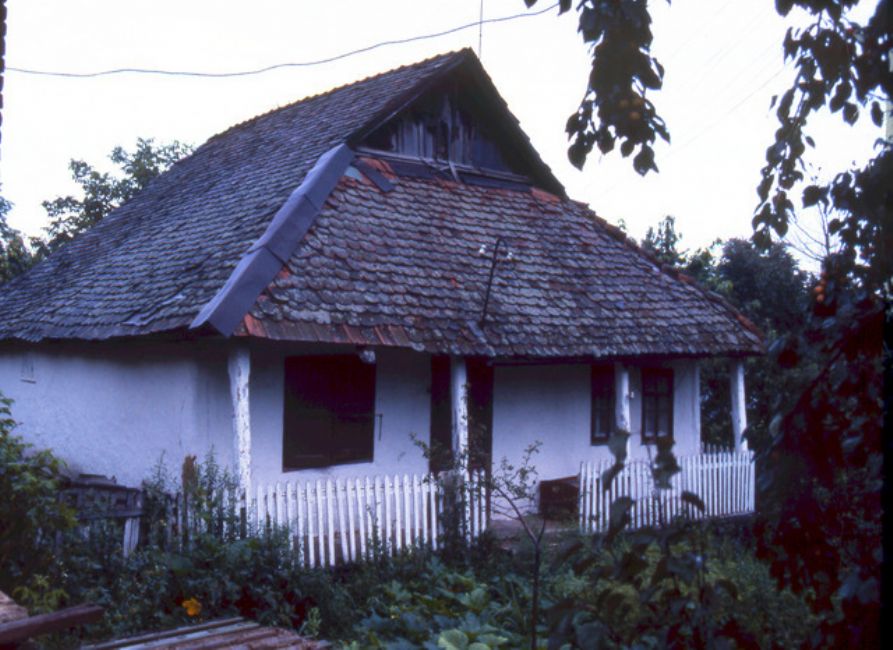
397,266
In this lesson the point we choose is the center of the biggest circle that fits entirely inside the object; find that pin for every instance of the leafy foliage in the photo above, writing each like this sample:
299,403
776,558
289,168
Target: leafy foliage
844,65
663,241
769,288
31,513
15,256
615,107
103,192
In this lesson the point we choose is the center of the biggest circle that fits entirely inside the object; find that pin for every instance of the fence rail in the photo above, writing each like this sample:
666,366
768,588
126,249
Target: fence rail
723,480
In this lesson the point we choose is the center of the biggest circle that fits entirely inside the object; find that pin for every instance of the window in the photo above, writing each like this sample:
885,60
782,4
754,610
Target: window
657,404
329,411
602,404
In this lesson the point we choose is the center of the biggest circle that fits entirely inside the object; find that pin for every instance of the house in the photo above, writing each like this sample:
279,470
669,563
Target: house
315,286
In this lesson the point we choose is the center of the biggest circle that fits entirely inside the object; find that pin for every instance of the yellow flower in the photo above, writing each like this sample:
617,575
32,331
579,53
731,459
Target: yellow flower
192,607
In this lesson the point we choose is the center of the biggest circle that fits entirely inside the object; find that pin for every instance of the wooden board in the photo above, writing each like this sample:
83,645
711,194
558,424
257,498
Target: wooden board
223,633
25,628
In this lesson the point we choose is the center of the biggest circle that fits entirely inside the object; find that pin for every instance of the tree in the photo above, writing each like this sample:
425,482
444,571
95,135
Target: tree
770,289
662,243
103,192
829,443
15,256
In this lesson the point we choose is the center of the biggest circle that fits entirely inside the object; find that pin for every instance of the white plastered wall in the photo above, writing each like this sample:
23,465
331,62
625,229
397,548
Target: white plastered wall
552,404
402,408
115,409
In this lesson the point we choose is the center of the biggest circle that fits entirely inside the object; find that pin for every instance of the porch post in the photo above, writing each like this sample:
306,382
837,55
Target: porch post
621,404
697,405
739,412
459,401
239,365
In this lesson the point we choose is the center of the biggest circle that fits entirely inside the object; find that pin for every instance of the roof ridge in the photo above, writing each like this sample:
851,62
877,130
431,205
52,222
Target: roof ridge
407,66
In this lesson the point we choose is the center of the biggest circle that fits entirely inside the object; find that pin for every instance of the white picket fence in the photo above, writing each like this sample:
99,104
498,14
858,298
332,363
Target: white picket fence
723,480
335,521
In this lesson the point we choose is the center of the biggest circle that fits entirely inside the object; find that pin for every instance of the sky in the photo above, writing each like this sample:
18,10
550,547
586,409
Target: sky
723,60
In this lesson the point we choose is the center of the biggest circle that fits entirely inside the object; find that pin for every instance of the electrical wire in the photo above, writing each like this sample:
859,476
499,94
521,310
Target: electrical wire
675,149
278,66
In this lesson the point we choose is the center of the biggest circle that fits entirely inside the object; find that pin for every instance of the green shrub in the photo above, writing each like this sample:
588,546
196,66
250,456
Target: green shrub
31,513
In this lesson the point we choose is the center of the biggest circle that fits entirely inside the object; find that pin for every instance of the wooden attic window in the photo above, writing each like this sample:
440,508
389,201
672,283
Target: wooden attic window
329,411
438,127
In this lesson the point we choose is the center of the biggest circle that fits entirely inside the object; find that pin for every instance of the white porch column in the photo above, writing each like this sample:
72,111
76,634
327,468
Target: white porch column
239,366
696,419
459,401
622,418
739,412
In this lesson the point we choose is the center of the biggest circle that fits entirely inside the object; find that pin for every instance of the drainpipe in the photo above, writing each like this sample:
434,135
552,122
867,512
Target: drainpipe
739,411
239,366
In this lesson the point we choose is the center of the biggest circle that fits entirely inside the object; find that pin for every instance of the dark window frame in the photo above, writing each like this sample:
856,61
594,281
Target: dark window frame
602,400
328,411
661,401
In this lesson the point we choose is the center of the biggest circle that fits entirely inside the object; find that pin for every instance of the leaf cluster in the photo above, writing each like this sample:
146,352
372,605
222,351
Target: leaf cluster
615,109
102,192
31,512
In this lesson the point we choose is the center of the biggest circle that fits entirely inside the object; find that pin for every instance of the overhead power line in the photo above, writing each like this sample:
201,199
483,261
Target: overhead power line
278,66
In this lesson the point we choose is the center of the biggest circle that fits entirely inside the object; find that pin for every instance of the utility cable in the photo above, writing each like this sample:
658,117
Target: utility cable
278,66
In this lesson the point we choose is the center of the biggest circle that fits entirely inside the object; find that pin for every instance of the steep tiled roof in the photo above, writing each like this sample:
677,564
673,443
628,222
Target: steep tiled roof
406,267
382,266
153,263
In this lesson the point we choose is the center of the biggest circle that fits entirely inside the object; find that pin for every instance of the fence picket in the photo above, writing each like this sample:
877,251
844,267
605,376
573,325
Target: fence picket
352,495
330,519
333,521
723,479
424,488
388,547
342,524
416,508
407,517
435,519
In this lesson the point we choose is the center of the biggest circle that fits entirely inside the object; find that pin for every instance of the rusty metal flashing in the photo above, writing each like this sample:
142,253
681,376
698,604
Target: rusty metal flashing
380,180
272,250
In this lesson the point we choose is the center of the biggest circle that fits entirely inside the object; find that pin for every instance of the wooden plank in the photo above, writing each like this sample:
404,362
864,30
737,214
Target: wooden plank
25,628
416,508
435,513
407,516
424,488
380,538
189,634
299,497
119,643
331,499
387,516
352,495
364,515
311,549
248,637
9,610
320,503
342,526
